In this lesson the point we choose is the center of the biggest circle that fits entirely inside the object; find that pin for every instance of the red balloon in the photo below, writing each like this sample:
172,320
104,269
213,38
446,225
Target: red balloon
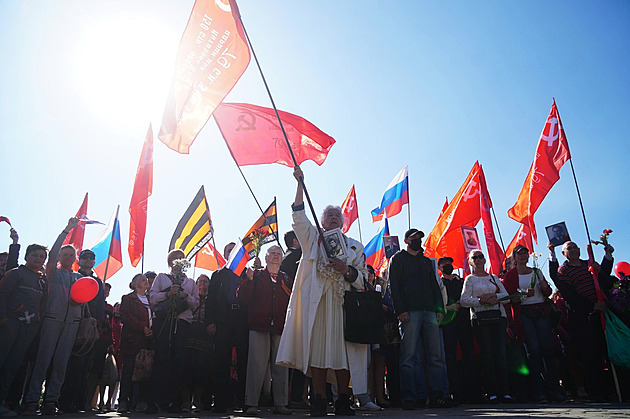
622,267
84,289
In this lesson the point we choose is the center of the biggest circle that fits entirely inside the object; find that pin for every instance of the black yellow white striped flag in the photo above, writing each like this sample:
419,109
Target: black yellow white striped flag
194,229
264,230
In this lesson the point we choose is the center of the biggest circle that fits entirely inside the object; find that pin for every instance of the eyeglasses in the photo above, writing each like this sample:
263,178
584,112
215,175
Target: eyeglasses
478,257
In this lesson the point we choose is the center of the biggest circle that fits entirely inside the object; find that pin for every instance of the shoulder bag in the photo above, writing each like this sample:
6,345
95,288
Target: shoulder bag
365,319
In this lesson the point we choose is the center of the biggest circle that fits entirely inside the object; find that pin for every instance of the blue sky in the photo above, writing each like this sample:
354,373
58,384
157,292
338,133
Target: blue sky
434,85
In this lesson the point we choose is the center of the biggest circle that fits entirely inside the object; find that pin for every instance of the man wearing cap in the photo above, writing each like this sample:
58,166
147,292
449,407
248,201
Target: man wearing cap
59,327
457,328
419,306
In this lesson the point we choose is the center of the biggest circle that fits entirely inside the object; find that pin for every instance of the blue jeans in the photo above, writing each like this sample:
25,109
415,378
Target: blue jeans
421,334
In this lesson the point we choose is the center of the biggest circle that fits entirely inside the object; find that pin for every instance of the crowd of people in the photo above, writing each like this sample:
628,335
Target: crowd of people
274,335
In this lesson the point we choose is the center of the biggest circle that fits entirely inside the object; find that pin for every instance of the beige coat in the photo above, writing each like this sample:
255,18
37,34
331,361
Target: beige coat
295,342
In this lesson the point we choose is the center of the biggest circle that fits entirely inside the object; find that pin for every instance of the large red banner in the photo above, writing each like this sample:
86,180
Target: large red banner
552,152
254,136
212,55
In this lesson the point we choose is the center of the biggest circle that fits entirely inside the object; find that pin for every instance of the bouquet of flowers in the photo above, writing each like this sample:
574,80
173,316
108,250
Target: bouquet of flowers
175,304
258,239
603,239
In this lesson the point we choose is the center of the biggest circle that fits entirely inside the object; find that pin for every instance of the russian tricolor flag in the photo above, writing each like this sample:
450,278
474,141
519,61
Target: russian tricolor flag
396,195
375,250
238,258
107,250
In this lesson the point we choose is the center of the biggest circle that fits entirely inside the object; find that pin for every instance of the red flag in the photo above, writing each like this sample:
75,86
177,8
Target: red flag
75,236
253,135
5,219
495,253
350,210
212,56
142,189
445,206
523,236
552,152
208,258
464,210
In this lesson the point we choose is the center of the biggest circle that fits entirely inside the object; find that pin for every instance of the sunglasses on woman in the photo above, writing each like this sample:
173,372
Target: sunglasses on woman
478,257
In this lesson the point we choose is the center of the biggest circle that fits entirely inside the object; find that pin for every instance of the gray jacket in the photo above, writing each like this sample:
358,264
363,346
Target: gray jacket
59,305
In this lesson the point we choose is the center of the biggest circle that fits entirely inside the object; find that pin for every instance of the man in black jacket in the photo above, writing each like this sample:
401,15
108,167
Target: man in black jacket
226,320
419,306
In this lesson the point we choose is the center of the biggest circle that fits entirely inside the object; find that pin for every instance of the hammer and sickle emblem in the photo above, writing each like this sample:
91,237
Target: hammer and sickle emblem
467,192
553,131
351,203
521,235
246,121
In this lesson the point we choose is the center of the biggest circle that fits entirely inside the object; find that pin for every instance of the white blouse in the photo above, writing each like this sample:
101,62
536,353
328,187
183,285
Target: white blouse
476,286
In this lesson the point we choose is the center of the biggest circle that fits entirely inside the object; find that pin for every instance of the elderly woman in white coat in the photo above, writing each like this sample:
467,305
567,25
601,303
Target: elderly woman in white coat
313,338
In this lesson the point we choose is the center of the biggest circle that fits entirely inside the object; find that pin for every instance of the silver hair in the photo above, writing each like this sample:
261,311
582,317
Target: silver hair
331,208
275,246
470,255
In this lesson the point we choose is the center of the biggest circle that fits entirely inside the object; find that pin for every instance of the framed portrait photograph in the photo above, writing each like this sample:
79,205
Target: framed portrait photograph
391,246
558,233
335,243
471,238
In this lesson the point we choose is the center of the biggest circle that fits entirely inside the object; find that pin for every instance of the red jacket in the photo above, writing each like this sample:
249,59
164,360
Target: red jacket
135,318
267,301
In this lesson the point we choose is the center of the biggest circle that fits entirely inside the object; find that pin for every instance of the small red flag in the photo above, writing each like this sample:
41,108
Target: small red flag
75,236
212,55
5,219
552,152
445,206
350,210
253,135
208,258
142,189
523,236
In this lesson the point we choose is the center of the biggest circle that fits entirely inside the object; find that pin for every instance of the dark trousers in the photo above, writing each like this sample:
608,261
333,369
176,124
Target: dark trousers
296,386
589,338
491,339
168,373
233,332
15,339
460,332
126,385
392,378
539,343
73,392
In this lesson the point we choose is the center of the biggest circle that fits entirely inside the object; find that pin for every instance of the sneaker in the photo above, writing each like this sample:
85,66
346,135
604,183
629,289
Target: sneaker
5,412
319,406
440,403
370,406
123,406
421,404
251,411
282,410
507,399
151,409
408,405
493,400
560,398
50,409
140,407
542,399
342,406
30,409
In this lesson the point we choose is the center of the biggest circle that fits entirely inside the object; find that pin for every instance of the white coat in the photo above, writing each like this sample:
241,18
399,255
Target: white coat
294,349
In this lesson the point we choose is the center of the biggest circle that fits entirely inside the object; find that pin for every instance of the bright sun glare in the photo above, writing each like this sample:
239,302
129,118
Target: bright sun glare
125,67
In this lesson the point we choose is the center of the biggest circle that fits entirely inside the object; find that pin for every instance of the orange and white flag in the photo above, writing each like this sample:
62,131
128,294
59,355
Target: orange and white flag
212,55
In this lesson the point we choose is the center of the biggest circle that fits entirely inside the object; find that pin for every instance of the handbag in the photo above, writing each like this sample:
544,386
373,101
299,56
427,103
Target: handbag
142,366
365,319
110,372
87,334
487,317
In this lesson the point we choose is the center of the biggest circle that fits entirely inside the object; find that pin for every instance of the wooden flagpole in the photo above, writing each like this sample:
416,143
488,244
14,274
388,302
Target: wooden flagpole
286,138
